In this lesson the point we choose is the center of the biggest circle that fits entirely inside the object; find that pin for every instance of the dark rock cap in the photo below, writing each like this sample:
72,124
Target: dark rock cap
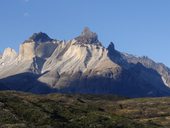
111,46
88,37
40,37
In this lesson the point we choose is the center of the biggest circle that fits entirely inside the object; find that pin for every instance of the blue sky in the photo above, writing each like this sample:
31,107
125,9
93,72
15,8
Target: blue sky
139,27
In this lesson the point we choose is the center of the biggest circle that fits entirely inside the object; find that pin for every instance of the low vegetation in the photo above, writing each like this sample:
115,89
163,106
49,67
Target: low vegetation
23,110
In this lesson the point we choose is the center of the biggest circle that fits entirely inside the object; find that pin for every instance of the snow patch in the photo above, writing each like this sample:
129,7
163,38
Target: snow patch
163,79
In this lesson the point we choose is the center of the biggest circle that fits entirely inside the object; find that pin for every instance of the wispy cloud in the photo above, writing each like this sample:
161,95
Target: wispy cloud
26,14
26,0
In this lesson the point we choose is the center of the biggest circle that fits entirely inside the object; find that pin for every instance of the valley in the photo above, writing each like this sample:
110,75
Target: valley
25,110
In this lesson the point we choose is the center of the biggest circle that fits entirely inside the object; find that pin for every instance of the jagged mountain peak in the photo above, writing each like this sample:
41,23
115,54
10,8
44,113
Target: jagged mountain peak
111,46
40,37
88,37
87,32
81,65
9,52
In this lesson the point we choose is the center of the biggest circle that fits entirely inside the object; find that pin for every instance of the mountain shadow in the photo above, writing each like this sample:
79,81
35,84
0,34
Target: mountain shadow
130,83
137,81
26,82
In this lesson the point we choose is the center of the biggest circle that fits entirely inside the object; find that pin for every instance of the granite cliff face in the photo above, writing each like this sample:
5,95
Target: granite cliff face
9,54
80,65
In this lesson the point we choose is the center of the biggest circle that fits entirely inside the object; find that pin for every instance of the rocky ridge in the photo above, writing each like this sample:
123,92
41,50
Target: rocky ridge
81,65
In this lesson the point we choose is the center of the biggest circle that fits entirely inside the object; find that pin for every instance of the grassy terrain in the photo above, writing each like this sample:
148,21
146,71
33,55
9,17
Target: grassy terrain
21,110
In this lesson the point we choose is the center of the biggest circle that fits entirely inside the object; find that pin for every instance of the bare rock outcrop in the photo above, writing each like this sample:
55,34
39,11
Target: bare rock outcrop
9,53
81,65
8,56
88,37
27,51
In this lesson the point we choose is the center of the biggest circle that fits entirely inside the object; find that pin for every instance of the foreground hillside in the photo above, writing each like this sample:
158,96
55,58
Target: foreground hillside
21,110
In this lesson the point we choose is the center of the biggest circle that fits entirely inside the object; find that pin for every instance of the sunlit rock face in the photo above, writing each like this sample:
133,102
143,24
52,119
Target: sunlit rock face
32,54
9,53
38,45
8,57
81,65
27,51
72,58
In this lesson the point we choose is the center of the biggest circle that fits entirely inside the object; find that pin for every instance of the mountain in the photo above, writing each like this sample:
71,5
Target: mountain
81,65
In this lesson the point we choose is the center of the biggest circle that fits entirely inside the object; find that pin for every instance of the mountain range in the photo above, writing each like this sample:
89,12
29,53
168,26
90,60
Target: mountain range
80,65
